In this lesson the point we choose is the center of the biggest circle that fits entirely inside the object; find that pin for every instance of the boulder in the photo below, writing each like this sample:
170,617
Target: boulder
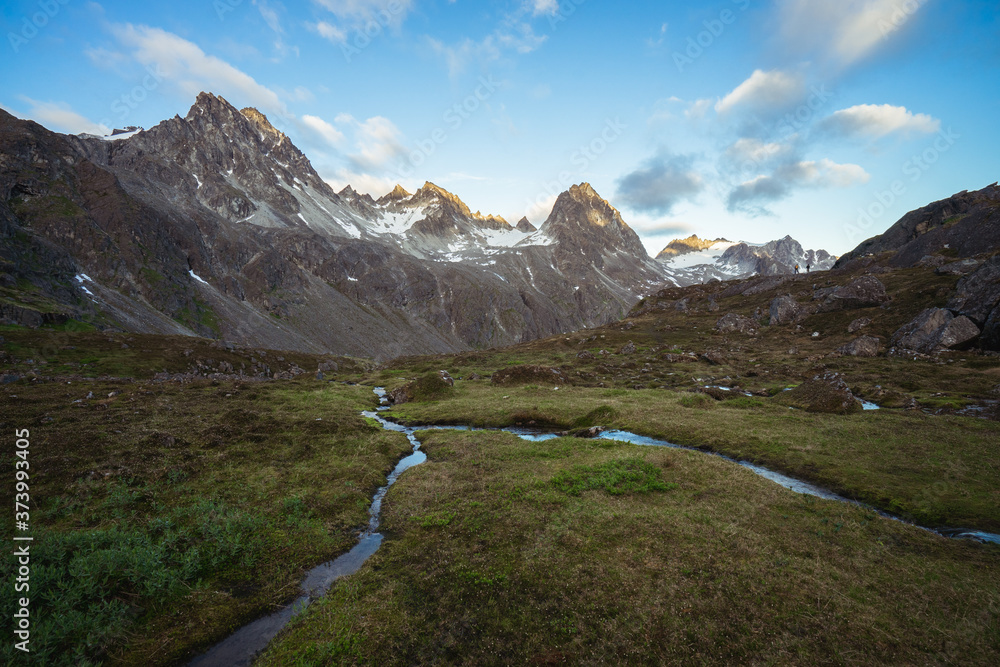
585,355
934,330
827,393
978,294
516,375
446,378
864,292
628,348
733,323
865,346
784,310
858,324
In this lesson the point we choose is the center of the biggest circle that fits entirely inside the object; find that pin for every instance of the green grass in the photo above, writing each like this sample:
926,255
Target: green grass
725,568
179,512
936,470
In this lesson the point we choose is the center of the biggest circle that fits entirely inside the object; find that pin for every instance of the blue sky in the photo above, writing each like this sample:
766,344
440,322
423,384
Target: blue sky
744,119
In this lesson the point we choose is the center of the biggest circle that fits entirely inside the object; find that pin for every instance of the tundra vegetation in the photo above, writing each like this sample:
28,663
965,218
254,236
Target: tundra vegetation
174,499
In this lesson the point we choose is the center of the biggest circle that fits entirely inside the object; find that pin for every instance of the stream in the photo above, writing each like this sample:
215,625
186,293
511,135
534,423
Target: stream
240,648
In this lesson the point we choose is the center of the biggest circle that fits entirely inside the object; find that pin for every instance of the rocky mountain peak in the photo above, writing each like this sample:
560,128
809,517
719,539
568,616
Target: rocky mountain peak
430,193
397,194
582,219
525,226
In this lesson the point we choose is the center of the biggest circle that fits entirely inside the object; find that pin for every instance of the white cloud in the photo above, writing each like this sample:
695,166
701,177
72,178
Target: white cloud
61,117
189,68
755,151
875,121
765,92
842,31
328,132
545,7
698,109
330,32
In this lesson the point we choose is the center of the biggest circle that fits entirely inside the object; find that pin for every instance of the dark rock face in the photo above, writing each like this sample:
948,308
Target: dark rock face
865,346
966,224
518,375
934,330
784,310
734,323
827,393
865,292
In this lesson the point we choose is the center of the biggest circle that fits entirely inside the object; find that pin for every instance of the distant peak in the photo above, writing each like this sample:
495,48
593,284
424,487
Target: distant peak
524,225
398,192
211,104
347,192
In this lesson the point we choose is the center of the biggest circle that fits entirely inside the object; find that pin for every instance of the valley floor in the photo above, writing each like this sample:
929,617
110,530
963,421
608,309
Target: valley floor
172,504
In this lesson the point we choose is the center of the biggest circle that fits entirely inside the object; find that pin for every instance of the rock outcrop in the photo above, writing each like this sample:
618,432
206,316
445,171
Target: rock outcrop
935,330
963,225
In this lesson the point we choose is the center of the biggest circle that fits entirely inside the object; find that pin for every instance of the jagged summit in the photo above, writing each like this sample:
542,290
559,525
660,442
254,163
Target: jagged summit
585,222
524,225
397,194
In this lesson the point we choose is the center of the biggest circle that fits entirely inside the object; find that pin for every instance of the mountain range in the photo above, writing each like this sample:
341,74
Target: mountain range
216,225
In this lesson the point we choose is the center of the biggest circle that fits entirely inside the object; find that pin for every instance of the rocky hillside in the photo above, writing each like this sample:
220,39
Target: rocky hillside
215,224
958,237
963,225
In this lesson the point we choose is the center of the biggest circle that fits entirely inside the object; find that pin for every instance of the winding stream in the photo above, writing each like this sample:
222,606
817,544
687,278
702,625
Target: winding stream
240,648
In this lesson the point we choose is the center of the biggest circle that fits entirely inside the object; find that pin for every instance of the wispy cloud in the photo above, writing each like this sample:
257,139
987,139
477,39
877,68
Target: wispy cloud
191,70
752,196
842,32
765,92
330,134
